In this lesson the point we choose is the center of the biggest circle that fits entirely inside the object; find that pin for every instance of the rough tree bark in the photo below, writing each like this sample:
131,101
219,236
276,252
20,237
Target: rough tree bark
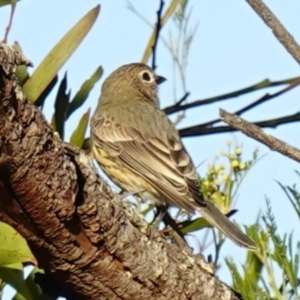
85,238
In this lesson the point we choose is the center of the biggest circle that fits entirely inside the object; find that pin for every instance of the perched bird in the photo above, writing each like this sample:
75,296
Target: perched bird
140,149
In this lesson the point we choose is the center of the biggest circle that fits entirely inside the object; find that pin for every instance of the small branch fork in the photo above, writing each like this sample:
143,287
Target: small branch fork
158,28
258,134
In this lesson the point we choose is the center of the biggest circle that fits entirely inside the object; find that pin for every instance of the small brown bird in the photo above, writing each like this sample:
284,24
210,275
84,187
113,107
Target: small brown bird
140,149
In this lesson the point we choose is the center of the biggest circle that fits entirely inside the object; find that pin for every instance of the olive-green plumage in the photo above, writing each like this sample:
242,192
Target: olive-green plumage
139,148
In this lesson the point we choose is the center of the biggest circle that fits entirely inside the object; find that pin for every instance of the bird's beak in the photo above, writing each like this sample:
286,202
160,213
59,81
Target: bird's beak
159,79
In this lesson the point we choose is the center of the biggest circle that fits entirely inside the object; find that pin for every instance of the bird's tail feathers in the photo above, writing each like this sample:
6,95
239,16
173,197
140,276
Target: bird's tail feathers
219,220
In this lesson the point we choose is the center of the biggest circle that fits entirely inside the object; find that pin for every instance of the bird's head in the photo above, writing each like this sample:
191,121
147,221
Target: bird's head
130,83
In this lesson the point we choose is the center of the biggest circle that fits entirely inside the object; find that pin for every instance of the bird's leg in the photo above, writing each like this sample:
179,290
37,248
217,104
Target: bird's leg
169,221
162,214
161,210
121,192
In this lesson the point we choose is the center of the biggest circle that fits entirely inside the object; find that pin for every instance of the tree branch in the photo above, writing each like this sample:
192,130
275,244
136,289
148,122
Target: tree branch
257,102
157,31
199,130
260,85
206,128
256,133
282,35
85,238
8,28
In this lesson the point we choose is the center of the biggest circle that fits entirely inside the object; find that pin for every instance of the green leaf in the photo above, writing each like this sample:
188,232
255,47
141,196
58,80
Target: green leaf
193,225
26,288
86,144
43,96
13,248
5,2
253,267
84,91
21,71
293,196
61,106
236,276
77,137
246,285
18,296
56,58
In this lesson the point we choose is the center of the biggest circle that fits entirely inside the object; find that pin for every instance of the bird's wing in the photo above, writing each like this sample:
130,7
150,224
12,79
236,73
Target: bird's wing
154,152
157,154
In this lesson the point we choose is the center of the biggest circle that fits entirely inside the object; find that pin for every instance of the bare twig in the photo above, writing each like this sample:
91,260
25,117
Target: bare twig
258,134
157,31
199,130
206,128
182,99
282,35
132,9
13,8
168,13
257,102
260,85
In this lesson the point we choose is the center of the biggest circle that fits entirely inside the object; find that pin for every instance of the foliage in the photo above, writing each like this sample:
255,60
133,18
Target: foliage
14,252
220,184
278,257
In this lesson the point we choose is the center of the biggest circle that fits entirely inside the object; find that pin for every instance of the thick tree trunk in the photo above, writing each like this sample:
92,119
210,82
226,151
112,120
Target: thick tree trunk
85,238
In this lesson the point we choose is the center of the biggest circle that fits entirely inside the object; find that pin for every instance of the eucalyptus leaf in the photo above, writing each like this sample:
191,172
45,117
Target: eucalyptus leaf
21,71
77,137
84,91
61,106
13,248
56,58
26,288
6,2
194,225
86,144
43,96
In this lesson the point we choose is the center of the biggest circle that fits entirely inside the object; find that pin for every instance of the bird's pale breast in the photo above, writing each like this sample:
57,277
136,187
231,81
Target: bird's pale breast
125,178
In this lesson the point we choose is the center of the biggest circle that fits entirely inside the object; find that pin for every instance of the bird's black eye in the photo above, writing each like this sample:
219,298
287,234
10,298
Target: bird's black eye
146,76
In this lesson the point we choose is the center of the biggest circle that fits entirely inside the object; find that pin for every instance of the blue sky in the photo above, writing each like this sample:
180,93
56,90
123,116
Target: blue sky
232,49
